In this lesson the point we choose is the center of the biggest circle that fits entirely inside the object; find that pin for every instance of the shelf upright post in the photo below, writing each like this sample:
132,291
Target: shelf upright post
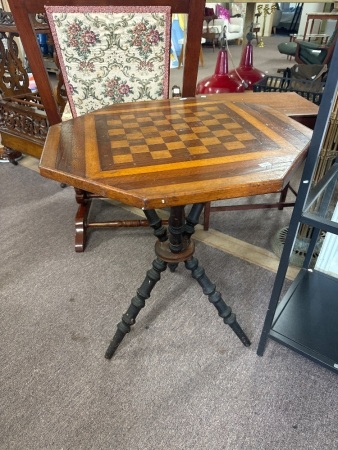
299,217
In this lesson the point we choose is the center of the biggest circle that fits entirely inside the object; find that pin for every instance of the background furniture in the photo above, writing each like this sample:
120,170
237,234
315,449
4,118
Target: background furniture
210,34
124,57
22,10
289,48
23,120
305,319
111,54
289,19
277,15
314,21
213,29
314,53
312,32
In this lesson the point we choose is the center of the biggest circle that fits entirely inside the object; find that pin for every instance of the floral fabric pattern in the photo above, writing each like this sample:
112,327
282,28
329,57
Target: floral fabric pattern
111,54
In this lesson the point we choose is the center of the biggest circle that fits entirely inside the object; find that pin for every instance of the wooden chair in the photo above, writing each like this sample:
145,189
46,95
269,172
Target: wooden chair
314,53
23,10
312,49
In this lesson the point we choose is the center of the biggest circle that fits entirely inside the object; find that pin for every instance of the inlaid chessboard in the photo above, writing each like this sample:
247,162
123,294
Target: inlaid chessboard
150,137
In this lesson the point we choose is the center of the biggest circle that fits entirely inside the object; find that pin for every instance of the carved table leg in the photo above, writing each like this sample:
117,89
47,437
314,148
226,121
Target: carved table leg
209,288
216,299
137,303
152,277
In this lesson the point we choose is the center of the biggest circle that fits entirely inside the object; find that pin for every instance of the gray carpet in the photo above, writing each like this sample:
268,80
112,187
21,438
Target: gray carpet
180,380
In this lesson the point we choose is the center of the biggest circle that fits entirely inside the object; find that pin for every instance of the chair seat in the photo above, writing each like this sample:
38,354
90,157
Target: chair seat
312,56
287,48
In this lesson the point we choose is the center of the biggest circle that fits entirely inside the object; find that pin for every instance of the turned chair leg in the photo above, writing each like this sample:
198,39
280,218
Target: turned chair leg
81,219
206,217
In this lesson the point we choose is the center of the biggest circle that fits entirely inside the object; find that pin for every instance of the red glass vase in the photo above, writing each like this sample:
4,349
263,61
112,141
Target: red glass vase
220,81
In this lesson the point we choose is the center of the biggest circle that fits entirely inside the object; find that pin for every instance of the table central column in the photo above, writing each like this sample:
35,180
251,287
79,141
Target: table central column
178,247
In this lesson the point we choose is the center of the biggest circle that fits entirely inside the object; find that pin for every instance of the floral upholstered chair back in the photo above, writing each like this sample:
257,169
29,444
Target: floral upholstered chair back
111,54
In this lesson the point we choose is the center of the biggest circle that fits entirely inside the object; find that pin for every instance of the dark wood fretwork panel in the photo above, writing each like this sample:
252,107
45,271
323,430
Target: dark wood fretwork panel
23,120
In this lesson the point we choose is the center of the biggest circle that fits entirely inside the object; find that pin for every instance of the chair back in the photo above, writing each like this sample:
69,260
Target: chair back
24,10
111,54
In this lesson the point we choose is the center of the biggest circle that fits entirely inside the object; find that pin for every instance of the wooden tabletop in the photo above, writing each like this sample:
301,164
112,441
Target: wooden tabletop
181,151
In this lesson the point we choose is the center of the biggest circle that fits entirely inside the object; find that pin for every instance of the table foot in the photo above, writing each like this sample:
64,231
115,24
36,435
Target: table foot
137,303
172,267
216,299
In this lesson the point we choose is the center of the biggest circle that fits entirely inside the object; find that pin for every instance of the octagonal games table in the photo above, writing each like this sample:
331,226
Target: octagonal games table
179,152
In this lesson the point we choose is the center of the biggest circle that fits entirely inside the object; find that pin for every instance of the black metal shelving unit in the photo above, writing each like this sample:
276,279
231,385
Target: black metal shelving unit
306,318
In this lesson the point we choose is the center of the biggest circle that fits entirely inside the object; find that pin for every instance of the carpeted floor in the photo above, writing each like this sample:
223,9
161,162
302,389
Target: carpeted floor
180,380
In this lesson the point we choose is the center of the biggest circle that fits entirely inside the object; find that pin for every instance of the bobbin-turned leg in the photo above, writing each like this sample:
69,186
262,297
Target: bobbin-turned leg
137,303
171,249
216,299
